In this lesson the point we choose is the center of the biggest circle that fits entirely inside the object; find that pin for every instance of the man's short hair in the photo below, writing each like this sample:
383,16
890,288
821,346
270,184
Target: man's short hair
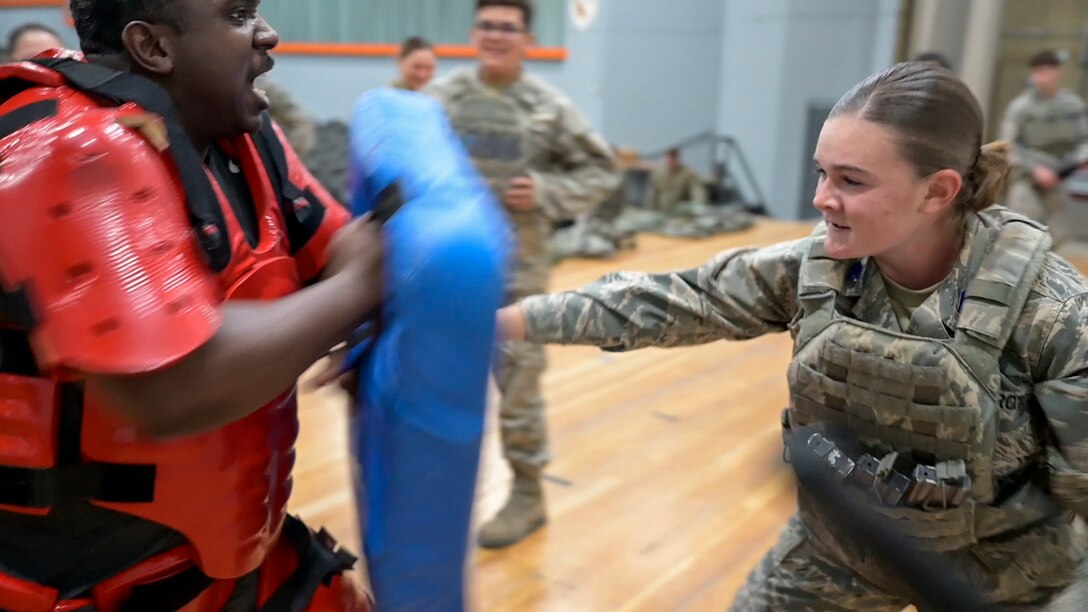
413,44
1048,57
526,7
99,23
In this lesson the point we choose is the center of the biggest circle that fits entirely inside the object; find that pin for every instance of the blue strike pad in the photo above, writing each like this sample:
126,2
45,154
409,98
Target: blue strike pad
423,374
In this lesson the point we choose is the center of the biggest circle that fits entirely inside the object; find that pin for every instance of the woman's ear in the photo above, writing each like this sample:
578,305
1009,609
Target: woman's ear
944,186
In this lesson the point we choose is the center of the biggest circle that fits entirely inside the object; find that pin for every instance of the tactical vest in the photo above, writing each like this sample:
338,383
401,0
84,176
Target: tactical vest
499,138
920,397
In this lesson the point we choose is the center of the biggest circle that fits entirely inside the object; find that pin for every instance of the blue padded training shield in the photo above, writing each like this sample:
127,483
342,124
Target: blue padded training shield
423,375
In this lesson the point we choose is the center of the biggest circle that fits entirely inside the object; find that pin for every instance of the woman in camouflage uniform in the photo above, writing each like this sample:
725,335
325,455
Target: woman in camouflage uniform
939,351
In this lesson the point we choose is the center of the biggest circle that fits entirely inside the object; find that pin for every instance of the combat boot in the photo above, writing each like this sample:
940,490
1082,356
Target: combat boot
522,515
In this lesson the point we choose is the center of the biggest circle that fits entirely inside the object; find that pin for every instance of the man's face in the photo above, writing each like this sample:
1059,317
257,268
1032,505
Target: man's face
501,38
1046,79
222,48
31,43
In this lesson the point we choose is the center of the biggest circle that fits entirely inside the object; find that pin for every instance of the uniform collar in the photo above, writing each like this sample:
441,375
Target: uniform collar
936,316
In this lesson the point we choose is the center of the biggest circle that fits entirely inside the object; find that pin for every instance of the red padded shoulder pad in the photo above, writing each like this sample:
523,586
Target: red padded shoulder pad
32,74
95,231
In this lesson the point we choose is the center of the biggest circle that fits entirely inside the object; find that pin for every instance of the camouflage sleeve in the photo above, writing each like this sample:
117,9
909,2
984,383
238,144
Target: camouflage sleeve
586,170
1023,158
740,294
1063,397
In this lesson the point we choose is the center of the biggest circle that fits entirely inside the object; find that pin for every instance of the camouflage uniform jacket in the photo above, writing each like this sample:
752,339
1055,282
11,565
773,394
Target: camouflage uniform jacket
1045,132
530,129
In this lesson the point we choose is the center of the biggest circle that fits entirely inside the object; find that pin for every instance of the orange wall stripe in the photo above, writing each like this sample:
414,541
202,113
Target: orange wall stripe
26,3
544,54
547,54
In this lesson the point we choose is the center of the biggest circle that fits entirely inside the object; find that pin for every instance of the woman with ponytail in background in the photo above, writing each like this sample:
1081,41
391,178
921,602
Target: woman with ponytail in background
940,365
416,62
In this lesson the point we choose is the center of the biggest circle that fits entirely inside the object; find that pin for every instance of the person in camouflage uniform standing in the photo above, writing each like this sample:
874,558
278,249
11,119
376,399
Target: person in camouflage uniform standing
1048,127
940,353
545,164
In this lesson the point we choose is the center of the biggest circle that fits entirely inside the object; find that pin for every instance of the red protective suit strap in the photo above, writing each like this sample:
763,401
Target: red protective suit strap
33,75
159,572
16,594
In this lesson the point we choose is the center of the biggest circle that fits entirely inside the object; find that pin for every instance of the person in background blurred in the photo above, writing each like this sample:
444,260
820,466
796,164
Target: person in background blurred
1048,128
545,164
674,183
30,39
415,63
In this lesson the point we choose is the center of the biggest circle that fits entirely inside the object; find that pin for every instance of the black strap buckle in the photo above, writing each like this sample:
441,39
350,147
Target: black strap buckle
319,561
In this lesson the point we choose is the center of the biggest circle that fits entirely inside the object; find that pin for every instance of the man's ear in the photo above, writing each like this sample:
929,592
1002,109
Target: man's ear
149,46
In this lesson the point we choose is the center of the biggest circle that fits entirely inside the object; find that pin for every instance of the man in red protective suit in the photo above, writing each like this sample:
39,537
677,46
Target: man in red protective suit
168,268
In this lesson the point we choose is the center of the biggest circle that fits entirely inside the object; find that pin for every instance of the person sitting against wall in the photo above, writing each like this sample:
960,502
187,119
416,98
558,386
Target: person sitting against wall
673,184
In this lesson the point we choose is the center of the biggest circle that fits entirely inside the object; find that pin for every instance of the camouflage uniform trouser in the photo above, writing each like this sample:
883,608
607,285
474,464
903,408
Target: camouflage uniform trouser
799,574
1049,207
518,368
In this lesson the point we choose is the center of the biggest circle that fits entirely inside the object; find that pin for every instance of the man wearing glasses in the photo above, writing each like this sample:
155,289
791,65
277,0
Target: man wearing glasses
545,165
